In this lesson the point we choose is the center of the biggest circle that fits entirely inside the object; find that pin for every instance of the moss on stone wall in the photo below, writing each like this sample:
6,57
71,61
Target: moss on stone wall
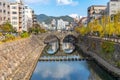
107,47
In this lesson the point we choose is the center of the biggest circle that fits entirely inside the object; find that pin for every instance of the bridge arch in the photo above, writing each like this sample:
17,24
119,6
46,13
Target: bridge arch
50,38
70,39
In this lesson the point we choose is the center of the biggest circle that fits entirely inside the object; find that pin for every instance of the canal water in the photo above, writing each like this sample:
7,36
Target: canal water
69,70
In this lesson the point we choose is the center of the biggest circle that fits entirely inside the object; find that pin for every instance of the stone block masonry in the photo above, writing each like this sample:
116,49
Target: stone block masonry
92,46
19,58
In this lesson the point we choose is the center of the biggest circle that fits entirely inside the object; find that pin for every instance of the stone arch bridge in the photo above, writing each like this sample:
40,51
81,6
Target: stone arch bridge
53,36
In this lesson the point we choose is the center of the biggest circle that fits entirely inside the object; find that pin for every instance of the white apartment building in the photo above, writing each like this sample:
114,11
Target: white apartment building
60,24
4,11
17,15
113,7
54,24
28,18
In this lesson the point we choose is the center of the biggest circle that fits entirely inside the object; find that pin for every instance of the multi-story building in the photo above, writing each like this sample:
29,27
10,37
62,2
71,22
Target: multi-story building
54,24
113,7
95,12
4,11
82,22
34,20
61,25
28,18
17,15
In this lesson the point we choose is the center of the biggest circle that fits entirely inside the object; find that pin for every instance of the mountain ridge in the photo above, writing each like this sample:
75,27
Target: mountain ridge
48,19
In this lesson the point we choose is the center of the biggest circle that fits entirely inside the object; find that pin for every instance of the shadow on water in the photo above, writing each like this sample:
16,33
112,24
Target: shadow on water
102,73
97,69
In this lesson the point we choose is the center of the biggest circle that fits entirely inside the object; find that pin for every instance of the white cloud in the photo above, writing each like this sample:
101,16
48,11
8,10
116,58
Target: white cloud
66,2
56,72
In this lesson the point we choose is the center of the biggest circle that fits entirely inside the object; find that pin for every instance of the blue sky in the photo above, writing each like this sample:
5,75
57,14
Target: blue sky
63,7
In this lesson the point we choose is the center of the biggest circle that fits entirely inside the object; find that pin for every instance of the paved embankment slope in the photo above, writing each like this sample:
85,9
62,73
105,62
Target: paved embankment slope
19,58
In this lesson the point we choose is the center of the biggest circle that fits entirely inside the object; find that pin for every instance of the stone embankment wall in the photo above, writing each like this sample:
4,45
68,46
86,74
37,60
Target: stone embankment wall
18,58
92,46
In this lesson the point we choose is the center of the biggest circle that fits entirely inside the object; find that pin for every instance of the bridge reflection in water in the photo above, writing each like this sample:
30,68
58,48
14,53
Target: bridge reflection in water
65,66
68,47
62,52
52,47
53,53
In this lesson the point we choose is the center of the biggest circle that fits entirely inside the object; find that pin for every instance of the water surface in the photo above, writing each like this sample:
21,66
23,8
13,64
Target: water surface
61,71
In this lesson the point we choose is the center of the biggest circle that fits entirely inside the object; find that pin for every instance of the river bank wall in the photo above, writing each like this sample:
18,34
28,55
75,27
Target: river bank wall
18,58
93,47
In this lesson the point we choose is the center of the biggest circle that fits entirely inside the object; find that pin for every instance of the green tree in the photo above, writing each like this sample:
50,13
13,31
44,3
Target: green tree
7,27
36,29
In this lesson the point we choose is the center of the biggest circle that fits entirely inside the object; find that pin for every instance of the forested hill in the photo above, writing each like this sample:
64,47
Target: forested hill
48,19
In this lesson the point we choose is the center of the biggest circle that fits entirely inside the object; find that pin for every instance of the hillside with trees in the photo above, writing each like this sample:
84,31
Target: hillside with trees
48,19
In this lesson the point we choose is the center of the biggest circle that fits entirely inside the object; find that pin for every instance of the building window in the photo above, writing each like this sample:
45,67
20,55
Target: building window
26,7
20,7
113,4
8,12
14,12
4,18
14,7
4,11
26,11
113,11
3,4
14,23
20,12
0,3
8,6
14,18
0,11
112,18
1,18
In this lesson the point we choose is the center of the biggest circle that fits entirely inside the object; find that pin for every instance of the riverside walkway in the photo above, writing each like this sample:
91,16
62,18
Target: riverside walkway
110,68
